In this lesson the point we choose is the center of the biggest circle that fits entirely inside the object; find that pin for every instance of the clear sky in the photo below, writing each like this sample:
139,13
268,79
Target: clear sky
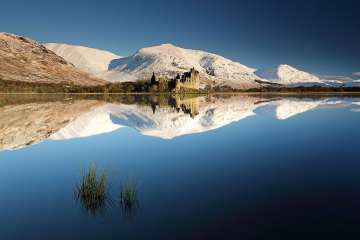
314,35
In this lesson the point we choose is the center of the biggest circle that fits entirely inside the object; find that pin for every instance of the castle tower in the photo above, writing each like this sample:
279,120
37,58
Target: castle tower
153,79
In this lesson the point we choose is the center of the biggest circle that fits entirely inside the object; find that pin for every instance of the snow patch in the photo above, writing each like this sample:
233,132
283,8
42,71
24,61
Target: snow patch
90,60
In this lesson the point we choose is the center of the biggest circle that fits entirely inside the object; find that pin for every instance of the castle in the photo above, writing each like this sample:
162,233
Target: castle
188,80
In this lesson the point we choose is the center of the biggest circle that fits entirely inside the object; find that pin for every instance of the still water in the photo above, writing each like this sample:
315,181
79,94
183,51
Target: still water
215,167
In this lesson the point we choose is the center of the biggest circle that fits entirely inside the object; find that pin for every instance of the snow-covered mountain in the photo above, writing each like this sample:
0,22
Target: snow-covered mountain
292,77
169,60
90,60
356,74
354,83
288,75
338,79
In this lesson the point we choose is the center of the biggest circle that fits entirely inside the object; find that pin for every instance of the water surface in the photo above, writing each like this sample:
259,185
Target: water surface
214,167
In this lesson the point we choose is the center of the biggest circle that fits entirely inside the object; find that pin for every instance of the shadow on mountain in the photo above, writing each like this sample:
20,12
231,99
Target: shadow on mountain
115,62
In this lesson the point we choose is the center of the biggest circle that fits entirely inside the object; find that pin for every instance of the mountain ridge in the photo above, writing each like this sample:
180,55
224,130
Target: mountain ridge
169,60
58,63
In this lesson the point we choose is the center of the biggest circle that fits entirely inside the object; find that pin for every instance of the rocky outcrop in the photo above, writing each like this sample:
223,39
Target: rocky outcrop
24,60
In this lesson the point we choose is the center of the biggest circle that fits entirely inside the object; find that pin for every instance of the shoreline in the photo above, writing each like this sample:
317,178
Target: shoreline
199,94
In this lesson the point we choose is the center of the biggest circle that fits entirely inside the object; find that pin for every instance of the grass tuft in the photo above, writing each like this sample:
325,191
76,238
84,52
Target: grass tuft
91,191
128,195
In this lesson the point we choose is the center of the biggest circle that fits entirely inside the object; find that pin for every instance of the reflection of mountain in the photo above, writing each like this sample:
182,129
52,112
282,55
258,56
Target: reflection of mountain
167,118
94,122
289,107
30,123
168,122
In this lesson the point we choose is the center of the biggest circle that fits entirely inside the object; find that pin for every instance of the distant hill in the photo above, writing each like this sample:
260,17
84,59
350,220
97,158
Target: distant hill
287,75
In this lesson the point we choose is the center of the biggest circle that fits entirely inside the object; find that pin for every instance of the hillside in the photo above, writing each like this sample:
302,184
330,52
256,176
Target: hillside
25,60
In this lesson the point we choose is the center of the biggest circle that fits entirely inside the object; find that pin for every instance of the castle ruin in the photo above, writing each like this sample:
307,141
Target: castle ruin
188,80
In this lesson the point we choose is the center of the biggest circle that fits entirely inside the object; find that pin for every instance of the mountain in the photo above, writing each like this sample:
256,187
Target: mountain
90,60
169,60
354,83
25,60
356,74
288,75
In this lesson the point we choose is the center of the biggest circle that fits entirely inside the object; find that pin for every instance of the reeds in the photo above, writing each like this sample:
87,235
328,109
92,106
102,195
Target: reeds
91,191
128,195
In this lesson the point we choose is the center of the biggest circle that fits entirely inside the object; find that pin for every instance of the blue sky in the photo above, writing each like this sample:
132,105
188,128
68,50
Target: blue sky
318,36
